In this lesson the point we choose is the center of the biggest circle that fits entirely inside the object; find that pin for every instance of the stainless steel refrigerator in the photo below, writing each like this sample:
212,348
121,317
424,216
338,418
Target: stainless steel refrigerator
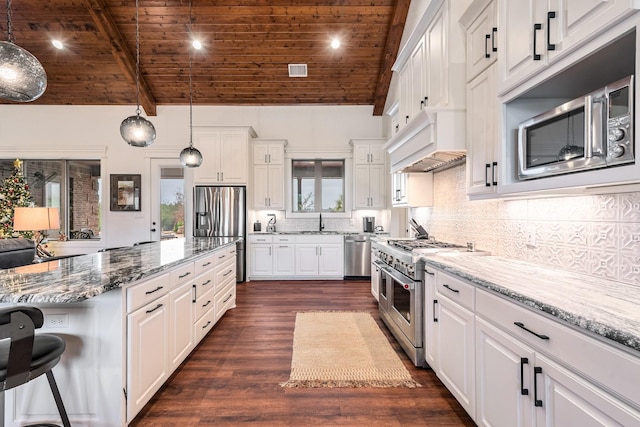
222,212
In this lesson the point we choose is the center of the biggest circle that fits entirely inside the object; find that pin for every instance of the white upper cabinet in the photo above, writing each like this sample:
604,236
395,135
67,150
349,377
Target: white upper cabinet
370,174
534,33
225,154
482,37
431,65
366,152
268,174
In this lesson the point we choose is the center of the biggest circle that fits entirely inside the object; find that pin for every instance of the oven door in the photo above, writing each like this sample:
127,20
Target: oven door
383,290
405,305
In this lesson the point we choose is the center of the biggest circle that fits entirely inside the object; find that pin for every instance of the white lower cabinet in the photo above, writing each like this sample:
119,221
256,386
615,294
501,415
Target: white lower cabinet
319,259
510,366
261,260
148,333
283,259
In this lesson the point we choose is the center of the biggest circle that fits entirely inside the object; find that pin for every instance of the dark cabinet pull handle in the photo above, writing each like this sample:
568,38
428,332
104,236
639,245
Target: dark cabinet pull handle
421,104
494,32
228,298
207,303
451,289
536,27
154,309
523,391
227,273
550,16
486,175
207,324
184,275
206,283
195,293
494,166
154,290
406,119
486,46
521,326
206,264
536,370
435,301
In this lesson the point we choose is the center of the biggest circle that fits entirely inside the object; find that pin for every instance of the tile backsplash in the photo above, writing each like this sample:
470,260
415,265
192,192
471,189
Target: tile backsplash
353,224
596,235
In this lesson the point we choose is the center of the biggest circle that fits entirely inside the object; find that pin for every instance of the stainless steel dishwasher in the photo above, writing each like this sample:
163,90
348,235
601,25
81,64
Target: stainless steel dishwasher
357,256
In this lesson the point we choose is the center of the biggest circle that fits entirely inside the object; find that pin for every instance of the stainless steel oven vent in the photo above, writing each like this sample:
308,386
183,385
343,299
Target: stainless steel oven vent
439,160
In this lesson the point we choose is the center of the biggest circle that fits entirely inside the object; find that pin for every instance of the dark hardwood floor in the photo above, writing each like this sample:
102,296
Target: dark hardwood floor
232,378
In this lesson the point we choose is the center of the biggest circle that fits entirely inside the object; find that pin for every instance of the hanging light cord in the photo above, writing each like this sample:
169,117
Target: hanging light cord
9,33
190,85
137,62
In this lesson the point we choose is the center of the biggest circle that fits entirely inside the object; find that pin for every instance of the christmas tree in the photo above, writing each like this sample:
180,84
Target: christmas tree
13,193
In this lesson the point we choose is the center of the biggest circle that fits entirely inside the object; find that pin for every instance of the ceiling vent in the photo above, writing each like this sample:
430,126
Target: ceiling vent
297,70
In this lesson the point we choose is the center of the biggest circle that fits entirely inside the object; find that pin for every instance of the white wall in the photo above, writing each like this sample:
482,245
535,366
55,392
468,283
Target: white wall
29,131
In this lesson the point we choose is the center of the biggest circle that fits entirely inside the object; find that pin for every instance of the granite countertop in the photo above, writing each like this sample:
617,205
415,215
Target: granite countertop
605,307
82,277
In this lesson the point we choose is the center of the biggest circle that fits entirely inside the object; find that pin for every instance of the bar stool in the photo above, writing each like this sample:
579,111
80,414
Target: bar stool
25,356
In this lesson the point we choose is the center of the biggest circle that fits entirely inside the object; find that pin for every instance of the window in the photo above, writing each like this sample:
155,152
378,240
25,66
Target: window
172,202
318,185
73,186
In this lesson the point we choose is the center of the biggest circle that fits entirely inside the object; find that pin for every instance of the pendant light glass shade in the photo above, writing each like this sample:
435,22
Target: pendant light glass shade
190,157
22,76
136,130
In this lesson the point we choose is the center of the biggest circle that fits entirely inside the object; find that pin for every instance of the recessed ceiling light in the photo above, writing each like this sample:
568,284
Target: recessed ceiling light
57,44
196,44
335,43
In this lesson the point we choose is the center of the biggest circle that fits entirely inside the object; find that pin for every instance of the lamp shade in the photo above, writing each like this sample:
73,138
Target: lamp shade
191,157
36,219
138,131
22,77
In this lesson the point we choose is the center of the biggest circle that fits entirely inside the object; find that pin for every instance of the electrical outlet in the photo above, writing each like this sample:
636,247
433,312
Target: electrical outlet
531,236
57,320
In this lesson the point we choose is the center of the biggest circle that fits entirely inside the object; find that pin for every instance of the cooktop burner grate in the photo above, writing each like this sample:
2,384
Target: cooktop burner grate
409,245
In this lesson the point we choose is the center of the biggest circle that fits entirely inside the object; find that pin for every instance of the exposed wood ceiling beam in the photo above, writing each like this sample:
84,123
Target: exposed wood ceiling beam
391,52
127,62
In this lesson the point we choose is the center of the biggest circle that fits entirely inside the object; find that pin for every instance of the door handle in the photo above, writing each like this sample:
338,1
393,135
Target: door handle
521,326
536,27
523,391
487,37
494,166
435,301
494,31
487,166
550,15
153,230
536,370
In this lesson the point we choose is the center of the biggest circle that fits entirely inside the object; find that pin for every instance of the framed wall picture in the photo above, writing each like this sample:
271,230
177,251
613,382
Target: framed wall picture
125,192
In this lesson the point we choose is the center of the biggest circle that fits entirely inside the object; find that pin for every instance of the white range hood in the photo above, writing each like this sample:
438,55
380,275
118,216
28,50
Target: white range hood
433,140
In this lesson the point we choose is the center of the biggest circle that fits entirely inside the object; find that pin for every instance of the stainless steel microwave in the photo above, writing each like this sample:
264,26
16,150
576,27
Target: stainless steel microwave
593,131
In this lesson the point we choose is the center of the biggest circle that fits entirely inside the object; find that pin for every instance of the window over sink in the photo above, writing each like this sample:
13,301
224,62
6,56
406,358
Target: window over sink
318,185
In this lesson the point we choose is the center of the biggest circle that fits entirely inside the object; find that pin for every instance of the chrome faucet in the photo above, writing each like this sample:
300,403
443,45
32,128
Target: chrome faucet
320,225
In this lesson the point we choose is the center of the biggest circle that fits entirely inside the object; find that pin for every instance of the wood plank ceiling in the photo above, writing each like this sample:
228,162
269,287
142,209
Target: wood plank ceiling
248,45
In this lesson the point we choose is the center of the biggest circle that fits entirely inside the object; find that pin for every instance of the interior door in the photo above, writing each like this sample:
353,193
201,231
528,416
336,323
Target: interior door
171,199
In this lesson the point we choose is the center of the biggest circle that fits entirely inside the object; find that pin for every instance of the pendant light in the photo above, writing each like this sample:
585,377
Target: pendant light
136,130
22,77
190,156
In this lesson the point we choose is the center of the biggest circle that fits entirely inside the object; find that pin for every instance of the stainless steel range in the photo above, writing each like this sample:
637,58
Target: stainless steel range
401,292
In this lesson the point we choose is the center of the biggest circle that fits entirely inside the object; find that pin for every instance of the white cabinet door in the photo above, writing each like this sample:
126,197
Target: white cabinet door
521,40
437,53
147,353
233,157
377,186
504,382
565,399
209,145
377,154
306,259
181,324
482,140
431,313
268,153
283,259
375,280
456,357
398,189
404,81
418,94
367,153
361,196
331,259
482,48
276,186
261,260
260,186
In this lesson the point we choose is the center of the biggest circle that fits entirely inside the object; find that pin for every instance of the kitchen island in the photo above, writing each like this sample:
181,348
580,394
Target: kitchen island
129,317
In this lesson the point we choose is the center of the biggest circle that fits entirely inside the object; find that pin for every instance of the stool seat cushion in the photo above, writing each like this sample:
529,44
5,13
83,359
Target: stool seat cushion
46,348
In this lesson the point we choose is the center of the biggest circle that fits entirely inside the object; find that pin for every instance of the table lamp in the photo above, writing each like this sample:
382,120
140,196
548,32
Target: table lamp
36,220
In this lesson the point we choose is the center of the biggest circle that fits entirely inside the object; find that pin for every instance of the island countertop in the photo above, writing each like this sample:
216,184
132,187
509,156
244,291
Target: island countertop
604,307
79,278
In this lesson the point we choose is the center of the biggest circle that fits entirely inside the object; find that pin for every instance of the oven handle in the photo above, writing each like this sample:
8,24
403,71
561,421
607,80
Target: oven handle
406,283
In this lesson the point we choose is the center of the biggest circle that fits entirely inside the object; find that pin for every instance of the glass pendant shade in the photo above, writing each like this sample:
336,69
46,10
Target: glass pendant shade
191,157
22,77
138,131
